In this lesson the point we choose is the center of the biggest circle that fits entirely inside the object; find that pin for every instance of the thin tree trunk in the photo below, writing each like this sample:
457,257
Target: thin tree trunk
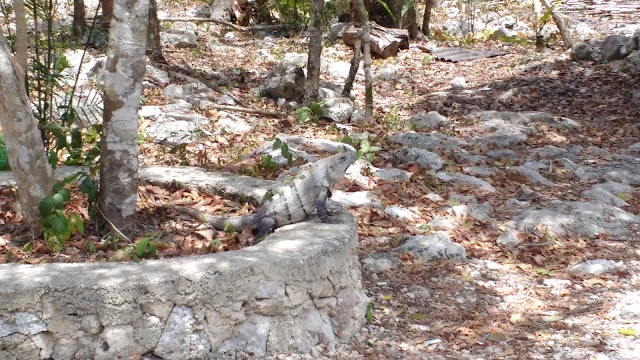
107,13
315,51
21,36
79,20
355,64
410,22
558,20
25,148
154,45
426,20
125,70
366,49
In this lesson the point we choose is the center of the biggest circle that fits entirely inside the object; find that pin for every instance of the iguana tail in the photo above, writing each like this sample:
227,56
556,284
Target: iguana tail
238,222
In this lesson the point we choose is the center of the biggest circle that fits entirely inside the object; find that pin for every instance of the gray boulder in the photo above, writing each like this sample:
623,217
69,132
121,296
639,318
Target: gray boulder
426,122
634,58
422,157
337,109
616,47
436,246
583,52
180,40
286,82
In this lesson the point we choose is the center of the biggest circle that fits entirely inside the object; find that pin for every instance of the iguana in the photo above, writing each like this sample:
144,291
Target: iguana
293,202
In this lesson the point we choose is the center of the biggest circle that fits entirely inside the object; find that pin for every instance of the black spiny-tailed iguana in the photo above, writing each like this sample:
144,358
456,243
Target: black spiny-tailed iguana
294,202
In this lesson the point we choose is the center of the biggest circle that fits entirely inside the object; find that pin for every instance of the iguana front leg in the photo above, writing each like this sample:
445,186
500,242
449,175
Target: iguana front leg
265,226
321,206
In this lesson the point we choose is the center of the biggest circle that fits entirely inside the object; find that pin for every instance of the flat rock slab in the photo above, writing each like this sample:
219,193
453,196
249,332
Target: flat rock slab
298,288
458,54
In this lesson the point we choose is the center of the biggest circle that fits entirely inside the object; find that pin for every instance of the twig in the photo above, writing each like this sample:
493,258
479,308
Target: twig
220,22
117,232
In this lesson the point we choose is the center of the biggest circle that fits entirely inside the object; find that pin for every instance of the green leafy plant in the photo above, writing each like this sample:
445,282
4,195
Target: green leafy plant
392,119
268,195
312,113
266,167
143,249
229,229
539,26
4,159
389,12
427,59
284,149
57,225
368,316
367,151
364,147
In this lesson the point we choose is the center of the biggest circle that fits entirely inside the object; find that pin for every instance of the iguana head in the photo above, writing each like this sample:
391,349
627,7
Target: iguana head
340,162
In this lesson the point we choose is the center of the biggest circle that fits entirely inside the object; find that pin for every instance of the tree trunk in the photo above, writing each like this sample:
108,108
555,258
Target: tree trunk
315,51
107,13
366,49
355,64
125,70
79,20
410,22
21,37
154,45
25,148
426,20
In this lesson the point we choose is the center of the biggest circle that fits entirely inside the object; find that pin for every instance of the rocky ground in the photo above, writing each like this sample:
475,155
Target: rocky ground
503,225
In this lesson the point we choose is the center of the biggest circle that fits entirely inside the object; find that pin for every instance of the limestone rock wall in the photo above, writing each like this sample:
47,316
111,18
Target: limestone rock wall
299,287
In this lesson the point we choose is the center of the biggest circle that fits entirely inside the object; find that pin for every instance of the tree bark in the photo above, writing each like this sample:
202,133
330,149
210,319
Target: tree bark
366,49
315,51
154,45
107,13
125,70
79,20
25,148
21,36
426,19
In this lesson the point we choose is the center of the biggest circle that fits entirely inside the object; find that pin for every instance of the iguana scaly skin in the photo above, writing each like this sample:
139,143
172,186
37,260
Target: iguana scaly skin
294,202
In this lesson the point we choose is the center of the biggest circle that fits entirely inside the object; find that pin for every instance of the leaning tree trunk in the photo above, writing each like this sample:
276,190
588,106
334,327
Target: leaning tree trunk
21,36
125,70
154,45
568,43
25,148
366,49
355,64
79,20
315,51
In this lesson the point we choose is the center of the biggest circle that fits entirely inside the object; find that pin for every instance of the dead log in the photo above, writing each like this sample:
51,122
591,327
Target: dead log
247,110
568,43
385,42
196,20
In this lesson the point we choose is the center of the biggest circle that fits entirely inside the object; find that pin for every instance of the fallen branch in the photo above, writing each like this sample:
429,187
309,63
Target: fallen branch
558,20
209,84
247,110
220,22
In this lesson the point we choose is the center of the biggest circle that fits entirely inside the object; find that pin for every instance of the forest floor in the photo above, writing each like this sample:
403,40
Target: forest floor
458,311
